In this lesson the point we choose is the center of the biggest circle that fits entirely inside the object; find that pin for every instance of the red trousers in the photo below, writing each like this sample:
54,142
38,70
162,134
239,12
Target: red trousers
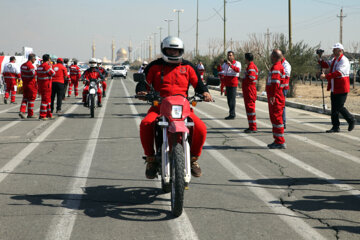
45,92
75,84
86,91
29,96
147,133
10,89
249,94
276,111
104,85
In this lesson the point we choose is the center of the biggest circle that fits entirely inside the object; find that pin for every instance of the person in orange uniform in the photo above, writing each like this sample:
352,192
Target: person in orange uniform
28,76
58,82
44,75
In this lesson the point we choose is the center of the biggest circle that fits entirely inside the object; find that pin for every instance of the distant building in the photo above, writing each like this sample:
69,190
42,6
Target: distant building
121,55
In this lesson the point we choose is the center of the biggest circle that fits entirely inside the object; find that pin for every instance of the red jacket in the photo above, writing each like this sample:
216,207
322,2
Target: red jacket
287,68
28,72
10,72
275,81
61,73
251,75
75,72
44,72
338,78
231,73
92,73
103,71
171,79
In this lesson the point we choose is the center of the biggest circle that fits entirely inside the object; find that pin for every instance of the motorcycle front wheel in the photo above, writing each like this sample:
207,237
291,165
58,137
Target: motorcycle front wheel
92,105
177,166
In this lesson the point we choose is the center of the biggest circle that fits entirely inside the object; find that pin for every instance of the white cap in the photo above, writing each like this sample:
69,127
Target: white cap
339,46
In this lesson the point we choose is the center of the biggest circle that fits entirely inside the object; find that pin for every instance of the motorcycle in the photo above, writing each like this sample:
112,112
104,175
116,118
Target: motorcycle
172,141
92,97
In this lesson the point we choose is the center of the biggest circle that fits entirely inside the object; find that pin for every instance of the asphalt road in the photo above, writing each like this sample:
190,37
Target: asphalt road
82,178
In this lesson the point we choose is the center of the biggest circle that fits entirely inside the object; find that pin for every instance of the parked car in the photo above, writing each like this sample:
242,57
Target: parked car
118,71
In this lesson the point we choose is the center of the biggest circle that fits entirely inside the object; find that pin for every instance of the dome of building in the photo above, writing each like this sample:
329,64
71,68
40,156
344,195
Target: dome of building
121,55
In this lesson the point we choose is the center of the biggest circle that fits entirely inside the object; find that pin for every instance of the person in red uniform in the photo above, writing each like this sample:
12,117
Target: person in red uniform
67,81
92,73
221,77
75,75
171,75
28,75
276,100
58,82
231,70
10,74
44,75
104,74
248,86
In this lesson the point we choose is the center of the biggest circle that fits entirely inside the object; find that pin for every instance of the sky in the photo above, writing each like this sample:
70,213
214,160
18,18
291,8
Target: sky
67,28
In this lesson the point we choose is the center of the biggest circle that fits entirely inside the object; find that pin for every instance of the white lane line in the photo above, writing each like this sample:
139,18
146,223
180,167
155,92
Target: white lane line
306,140
62,224
6,110
287,157
181,227
15,161
273,203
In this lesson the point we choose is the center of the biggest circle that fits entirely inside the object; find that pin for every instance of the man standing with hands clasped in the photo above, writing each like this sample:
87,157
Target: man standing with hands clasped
276,99
339,84
230,70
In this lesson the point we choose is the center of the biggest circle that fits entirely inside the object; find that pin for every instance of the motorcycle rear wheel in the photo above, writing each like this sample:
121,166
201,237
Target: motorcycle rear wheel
177,166
92,105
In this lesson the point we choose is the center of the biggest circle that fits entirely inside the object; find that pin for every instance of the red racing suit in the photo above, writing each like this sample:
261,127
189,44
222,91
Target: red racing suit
250,94
75,75
274,89
28,74
168,80
44,75
104,74
91,73
221,77
11,73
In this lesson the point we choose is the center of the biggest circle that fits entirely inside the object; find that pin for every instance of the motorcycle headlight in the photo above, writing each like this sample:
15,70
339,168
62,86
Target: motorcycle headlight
176,111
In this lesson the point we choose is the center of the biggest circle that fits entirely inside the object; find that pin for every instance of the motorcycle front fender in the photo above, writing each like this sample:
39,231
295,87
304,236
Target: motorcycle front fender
92,91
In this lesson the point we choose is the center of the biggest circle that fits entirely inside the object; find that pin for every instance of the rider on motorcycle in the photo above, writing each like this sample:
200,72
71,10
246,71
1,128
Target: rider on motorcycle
171,75
91,73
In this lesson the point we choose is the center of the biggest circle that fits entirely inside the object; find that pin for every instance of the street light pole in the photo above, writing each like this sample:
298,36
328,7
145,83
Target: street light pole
168,21
154,45
178,12
197,29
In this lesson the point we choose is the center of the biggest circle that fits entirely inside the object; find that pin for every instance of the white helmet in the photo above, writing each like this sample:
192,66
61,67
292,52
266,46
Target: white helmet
99,61
92,62
145,63
173,43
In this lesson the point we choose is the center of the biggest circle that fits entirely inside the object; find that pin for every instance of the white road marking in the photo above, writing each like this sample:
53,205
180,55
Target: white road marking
15,161
181,227
64,220
306,140
273,203
287,157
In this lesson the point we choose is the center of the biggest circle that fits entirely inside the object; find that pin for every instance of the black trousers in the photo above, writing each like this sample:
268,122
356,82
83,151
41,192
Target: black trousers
58,90
65,89
231,99
337,106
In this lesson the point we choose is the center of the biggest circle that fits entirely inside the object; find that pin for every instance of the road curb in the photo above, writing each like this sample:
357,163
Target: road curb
295,105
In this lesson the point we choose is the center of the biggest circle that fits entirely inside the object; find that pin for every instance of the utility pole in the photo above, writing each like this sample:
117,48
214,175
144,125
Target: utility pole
197,29
178,12
267,34
160,28
130,49
224,28
168,21
341,25
113,51
290,34
150,48
154,45
93,49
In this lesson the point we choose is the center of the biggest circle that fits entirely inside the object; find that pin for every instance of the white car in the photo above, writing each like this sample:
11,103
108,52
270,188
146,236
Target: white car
118,71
